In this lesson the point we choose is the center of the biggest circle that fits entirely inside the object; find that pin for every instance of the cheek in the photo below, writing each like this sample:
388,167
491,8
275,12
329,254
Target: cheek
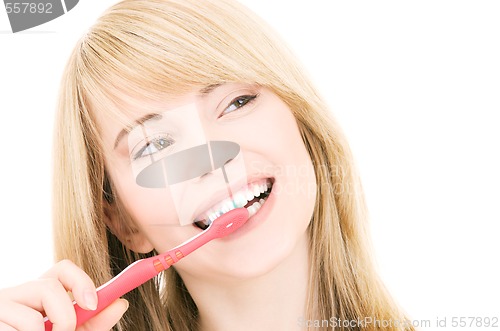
296,186
273,146
276,141
146,206
154,213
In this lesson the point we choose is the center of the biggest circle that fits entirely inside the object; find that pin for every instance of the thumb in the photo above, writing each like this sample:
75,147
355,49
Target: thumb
107,318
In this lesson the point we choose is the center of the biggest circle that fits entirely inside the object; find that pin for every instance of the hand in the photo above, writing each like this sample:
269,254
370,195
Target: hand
22,307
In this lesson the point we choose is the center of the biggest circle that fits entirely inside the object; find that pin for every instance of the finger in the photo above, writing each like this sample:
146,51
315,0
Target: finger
14,316
47,295
107,318
75,280
58,306
6,327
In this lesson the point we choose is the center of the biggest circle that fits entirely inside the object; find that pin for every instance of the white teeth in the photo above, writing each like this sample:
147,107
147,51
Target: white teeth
262,188
228,205
253,209
256,191
239,199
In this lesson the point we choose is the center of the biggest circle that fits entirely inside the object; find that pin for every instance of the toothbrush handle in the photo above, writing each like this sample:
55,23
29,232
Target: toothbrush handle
143,270
133,276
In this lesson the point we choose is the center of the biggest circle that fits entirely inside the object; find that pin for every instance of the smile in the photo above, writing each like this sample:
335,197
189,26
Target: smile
252,197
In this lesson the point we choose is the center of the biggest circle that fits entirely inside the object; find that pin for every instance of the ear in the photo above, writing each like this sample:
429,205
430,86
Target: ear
123,227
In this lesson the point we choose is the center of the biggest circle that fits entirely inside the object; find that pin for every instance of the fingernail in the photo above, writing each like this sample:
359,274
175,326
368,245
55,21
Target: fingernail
90,298
126,303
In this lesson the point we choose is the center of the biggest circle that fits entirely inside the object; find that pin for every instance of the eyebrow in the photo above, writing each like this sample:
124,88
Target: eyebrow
125,131
208,89
204,91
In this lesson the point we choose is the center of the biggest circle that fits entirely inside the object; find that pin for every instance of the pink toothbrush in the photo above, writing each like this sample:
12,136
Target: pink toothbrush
143,270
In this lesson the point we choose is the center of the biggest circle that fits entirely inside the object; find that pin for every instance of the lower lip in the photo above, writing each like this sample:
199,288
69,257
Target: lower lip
254,221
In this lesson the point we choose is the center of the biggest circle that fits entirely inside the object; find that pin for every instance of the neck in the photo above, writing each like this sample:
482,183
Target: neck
274,301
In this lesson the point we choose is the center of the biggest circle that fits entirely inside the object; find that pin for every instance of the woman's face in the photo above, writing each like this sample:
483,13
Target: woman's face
272,151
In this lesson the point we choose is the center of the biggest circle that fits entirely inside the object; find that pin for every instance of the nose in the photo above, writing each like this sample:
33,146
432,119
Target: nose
223,152
188,164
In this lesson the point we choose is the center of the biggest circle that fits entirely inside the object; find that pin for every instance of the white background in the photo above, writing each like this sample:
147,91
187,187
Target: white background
415,86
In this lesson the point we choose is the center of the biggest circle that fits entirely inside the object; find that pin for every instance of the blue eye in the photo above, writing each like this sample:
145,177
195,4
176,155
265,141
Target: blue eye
153,146
238,103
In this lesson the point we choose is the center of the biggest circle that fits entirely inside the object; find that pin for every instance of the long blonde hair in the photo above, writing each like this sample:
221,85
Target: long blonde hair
149,49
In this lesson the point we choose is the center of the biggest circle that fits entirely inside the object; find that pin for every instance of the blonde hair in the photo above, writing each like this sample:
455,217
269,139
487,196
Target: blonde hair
150,49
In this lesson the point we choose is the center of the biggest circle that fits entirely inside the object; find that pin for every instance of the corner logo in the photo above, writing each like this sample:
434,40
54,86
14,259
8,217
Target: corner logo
26,14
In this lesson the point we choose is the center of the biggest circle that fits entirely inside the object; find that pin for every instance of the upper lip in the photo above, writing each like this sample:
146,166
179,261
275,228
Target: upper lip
221,195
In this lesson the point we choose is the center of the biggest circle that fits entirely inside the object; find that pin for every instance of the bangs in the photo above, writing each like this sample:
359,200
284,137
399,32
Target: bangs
143,53
138,52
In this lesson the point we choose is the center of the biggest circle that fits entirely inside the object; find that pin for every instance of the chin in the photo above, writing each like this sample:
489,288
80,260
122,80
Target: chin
257,262
253,254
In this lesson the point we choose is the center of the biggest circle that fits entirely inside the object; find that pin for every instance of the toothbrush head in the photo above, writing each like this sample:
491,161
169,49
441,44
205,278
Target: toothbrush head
228,223
220,227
